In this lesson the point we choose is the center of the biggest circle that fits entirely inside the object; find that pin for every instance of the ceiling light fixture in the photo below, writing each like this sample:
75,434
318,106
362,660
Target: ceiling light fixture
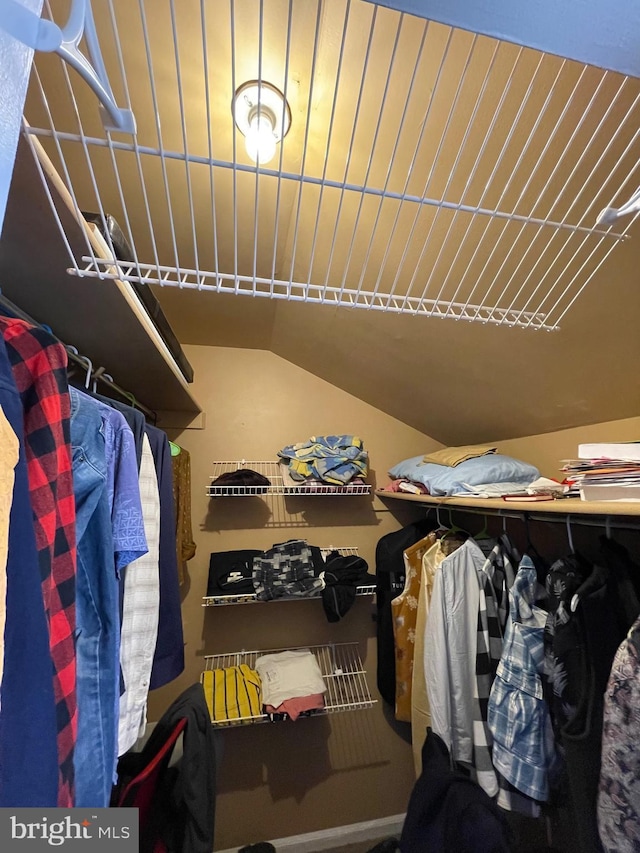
263,116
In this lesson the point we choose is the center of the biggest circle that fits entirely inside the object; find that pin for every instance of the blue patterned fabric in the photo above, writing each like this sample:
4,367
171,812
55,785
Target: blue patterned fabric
129,540
518,716
334,459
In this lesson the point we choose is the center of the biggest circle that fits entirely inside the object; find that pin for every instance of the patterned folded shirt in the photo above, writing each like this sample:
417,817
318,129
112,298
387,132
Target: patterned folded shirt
288,569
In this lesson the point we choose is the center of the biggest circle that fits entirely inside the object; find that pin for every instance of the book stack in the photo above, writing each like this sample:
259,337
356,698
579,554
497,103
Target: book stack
604,472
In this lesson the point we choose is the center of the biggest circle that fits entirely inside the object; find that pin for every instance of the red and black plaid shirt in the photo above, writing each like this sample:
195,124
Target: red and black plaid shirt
39,367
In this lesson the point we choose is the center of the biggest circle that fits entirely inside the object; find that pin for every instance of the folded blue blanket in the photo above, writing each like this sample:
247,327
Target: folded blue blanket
334,459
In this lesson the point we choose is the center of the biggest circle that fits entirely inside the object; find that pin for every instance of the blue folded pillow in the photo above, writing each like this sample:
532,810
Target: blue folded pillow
443,480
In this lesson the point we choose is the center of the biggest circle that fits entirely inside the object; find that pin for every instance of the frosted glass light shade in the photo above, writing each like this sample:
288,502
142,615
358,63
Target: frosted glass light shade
260,141
262,114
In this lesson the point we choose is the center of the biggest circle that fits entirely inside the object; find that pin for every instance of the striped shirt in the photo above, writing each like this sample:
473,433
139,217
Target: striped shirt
233,694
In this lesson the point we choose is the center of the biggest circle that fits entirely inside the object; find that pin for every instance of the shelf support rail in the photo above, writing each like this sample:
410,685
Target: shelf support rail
583,521
45,35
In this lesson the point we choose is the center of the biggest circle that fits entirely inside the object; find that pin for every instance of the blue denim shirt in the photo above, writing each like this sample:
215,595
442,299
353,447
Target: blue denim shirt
97,612
104,448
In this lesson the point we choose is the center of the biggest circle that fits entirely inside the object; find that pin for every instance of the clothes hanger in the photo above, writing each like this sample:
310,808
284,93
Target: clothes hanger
531,550
570,535
514,555
453,529
442,529
484,533
176,450
100,373
104,375
441,526
71,368
130,398
575,599
87,379
504,538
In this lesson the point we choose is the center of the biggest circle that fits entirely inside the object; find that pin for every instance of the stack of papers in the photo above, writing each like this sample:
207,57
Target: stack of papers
603,479
626,450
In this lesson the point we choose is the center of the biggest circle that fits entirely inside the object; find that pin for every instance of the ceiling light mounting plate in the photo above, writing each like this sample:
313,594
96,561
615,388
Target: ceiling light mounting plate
259,97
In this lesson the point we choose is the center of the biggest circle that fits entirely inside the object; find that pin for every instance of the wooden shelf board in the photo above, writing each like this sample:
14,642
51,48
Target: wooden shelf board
564,506
97,317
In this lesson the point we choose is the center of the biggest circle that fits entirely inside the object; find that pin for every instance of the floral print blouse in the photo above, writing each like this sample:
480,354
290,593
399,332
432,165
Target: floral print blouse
619,790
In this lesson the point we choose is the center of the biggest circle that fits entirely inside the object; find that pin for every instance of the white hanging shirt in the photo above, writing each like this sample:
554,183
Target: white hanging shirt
140,614
450,648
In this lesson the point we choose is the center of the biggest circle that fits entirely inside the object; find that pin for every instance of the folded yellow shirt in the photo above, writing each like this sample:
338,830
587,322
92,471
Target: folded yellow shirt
453,456
232,693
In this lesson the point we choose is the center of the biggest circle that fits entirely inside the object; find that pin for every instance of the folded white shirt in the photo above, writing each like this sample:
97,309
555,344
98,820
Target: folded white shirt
490,490
287,675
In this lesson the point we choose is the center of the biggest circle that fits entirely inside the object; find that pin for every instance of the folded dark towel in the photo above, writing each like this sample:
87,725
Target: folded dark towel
243,478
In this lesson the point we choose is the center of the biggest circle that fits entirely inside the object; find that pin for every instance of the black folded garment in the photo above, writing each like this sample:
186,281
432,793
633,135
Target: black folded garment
341,576
243,478
231,572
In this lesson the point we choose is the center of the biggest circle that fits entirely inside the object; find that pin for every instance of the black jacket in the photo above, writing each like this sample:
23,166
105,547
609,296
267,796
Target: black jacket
448,812
183,807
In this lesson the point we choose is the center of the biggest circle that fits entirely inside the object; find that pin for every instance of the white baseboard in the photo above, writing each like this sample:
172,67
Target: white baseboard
337,837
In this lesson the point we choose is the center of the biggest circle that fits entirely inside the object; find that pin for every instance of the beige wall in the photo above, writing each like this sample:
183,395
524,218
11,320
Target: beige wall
547,451
289,778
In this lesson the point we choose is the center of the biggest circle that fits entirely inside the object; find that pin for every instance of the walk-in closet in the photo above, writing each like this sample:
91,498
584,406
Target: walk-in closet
264,264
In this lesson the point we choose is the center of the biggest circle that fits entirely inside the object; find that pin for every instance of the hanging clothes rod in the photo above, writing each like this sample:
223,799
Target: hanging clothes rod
83,362
574,519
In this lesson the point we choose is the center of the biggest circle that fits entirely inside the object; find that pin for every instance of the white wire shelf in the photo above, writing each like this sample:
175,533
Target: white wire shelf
273,472
428,170
341,667
251,598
